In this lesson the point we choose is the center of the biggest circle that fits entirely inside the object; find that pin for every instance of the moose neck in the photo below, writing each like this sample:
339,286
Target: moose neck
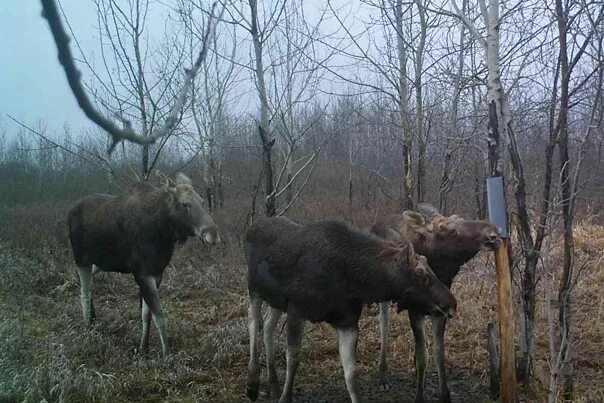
444,258
158,205
377,281
442,249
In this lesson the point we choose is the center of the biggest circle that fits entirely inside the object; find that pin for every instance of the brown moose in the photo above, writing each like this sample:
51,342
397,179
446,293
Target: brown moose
136,233
448,243
326,272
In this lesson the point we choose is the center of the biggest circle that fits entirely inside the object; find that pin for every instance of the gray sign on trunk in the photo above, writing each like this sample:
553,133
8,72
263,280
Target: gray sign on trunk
496,202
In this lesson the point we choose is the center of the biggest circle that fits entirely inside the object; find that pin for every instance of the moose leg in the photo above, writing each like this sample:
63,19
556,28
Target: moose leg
95,269
384,333
270,323
148,288
295,331
438,336
85,274
253,368
146,317
347,345
419,335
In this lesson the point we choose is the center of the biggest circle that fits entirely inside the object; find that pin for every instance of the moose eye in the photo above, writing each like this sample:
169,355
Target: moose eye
426,280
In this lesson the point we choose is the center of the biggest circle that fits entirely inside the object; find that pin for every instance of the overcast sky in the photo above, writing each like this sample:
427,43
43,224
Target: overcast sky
32,84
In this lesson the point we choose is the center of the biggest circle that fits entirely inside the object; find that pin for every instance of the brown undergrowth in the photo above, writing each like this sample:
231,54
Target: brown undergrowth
49,354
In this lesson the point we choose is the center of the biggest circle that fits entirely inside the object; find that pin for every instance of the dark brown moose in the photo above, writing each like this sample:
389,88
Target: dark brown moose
326,272
447,243
136,233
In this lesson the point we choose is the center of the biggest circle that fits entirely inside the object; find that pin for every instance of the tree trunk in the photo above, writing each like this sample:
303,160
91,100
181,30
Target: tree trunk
263,126
566,186
527,325
529,283
140,89
445,182
209,197
403,91
419,103
289,193
479,190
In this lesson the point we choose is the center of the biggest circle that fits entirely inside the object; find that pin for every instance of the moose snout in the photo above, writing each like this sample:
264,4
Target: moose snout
447,307
492,238
210,236
491,241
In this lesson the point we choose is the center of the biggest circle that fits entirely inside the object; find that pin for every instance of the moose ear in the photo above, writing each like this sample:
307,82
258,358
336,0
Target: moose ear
414,218
437,220
447,224
183,179
406,254
411,257
416,224
388,252
423,270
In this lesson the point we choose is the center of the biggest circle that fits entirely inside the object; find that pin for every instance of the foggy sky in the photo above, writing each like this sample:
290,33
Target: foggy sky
33,86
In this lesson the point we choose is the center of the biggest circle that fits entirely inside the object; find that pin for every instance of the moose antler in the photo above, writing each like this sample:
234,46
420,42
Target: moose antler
50,13
163,179
427,210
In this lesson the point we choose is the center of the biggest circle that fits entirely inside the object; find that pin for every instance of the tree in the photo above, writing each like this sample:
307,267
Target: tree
50,12
212,96
295,64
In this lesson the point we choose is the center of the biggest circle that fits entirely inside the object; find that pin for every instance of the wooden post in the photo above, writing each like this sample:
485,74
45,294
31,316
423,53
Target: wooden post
505,301
505,311
493,361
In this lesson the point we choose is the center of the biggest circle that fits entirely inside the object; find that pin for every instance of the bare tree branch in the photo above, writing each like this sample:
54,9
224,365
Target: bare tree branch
51,14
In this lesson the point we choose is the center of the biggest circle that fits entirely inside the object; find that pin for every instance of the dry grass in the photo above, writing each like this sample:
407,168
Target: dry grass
49,354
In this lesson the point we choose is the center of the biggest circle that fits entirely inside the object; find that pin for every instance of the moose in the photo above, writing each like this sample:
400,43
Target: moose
326,272
136,233
448,243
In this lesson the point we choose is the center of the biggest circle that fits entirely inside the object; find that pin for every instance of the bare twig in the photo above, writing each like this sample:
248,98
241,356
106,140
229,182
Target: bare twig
51,14
54,144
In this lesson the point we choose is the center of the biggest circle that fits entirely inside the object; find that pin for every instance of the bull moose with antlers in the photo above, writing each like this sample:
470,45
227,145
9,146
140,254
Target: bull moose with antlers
448,243
326,272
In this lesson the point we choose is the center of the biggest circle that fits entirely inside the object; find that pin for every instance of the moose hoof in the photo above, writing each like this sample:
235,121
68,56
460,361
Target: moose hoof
274,390
252,394
168,358
445,397
252,391
384,385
